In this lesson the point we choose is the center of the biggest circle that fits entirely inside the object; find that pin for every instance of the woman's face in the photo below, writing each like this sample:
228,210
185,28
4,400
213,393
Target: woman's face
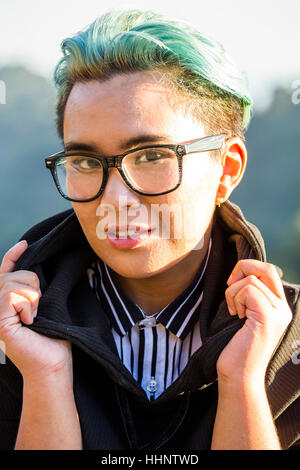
105,116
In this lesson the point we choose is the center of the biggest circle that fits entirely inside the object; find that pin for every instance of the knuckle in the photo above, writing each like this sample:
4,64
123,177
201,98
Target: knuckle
30,277
230,292
9,285
227,293
271,268
249,289
245,261
7,297
241,262
33,279
9,288
252,278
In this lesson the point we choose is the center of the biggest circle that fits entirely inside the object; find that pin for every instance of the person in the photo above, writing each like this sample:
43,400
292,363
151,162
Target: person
146,316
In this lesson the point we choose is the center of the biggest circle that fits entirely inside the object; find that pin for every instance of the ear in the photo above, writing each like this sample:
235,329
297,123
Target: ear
234,161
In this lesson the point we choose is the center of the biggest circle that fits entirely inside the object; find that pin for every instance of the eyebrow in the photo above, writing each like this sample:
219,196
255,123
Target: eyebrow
126,145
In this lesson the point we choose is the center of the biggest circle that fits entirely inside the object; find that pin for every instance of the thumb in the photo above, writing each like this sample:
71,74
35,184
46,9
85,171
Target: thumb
12,255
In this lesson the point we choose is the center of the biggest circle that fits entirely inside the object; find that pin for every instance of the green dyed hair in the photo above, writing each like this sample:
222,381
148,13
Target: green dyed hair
126,41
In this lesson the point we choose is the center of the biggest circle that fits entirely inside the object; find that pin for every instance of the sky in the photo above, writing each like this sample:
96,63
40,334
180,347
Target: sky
262,36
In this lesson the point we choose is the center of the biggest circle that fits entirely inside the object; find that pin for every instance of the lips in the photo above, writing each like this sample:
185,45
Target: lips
128,238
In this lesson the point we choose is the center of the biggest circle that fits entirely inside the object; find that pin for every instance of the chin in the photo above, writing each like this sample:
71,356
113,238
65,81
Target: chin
135,269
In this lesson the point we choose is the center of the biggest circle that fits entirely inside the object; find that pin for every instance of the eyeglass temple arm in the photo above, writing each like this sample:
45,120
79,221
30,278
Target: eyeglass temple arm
206,144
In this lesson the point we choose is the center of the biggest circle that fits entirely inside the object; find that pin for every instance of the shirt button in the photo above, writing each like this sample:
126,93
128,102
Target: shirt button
152,385
148,322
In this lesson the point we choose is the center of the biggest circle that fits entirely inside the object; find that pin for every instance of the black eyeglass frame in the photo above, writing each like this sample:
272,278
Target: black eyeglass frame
205,144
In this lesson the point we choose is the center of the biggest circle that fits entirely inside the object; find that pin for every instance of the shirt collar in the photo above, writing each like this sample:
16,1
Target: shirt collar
179,316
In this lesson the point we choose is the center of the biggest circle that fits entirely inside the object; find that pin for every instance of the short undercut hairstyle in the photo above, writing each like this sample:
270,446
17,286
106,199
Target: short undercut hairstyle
206,82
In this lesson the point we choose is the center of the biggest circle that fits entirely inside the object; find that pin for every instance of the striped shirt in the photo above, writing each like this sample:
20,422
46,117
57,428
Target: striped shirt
154,348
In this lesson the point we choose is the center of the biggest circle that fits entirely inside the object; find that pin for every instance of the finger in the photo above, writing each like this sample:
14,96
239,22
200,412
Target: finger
32,295
15,307
251,299
233,290
24,309
265,272
28,278
12,255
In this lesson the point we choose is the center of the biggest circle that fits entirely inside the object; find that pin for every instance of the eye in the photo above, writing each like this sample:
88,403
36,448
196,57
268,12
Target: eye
84,163
151,156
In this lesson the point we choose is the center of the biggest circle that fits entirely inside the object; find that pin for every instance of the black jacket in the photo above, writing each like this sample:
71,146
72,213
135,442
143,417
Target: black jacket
113,409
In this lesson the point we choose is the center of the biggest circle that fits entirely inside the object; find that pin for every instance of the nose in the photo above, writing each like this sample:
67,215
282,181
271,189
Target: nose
117,193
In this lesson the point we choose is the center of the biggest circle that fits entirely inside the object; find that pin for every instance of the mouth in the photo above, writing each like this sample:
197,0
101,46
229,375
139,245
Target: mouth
128,237
127,232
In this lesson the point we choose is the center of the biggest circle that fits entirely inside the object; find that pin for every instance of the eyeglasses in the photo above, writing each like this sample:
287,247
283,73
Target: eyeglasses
150,170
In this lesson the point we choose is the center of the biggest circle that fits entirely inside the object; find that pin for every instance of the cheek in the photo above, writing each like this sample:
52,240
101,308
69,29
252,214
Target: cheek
201,175
200,181
194,202
86,214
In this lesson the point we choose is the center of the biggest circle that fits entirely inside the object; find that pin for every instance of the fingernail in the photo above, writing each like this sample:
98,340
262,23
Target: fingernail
34,313
229,279
21,242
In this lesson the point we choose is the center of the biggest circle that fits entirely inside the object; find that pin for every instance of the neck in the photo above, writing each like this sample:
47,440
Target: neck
169,283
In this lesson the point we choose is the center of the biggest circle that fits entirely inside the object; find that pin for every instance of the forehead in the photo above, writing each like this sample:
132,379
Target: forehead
125,104
131,87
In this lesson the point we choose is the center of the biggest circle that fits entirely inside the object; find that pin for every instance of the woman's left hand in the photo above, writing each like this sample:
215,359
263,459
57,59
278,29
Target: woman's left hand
255,291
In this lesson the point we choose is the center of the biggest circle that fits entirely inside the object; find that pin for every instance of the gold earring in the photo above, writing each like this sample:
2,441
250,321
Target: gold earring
219,202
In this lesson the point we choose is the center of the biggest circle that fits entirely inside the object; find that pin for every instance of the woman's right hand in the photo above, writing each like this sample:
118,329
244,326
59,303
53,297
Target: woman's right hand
35,355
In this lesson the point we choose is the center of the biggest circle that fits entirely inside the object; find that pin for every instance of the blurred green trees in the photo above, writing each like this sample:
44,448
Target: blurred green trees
269,194
27,134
